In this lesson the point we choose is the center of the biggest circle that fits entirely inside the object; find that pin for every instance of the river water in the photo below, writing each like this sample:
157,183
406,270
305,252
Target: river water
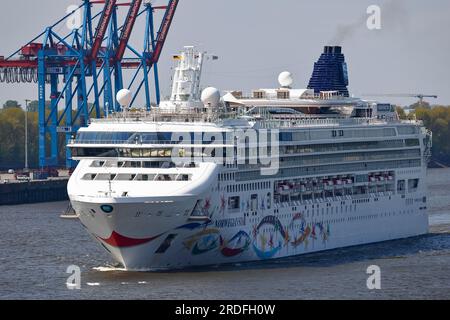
36,247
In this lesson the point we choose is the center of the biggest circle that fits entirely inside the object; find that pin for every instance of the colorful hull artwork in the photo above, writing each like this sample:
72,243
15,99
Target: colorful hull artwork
210,239
268,253
264,245
193,225
203,241
305,231
236,245
268,244
302,238
268,237
120,241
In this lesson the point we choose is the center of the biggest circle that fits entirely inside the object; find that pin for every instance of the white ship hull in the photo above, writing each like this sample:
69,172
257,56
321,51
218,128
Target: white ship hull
142,242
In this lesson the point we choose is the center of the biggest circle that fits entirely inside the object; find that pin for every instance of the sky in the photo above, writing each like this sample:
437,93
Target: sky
258,39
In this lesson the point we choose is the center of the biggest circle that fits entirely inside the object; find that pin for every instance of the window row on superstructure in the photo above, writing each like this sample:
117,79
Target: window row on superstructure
348,146
140,164
136,177
183,152
296,161
319,134
109,137
327,169
242,187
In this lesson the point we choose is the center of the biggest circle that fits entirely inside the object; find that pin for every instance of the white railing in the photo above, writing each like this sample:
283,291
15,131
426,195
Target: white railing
158,115
296,122
264,119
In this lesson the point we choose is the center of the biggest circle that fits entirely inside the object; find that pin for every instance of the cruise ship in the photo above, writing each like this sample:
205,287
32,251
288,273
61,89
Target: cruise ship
207,179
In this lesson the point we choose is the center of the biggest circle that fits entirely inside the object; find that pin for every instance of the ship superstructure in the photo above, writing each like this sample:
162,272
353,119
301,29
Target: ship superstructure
186,90
276,173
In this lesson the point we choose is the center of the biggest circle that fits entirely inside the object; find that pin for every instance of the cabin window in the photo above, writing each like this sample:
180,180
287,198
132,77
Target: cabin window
254,202
412,185
401,186
234,203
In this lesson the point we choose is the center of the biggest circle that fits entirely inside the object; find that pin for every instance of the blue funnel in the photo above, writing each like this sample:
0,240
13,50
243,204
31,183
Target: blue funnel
330,72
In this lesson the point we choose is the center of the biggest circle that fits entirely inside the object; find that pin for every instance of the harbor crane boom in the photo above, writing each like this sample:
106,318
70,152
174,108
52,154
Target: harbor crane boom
68,68
102,27
164,30
420,96
128,27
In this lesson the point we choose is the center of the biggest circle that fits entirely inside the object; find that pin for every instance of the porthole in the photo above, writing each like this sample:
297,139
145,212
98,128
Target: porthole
107,208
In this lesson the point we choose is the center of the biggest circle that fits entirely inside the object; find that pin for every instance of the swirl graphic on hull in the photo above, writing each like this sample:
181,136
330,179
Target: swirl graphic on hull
203,241
236,245
266,248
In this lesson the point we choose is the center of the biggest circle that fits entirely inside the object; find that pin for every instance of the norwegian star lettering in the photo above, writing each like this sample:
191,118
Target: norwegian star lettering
229,223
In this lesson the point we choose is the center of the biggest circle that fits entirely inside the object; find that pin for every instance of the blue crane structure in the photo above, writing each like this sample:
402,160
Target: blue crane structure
79,74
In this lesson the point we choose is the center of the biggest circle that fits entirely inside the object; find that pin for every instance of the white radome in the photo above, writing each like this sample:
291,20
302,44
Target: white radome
285,79
210,97
124,97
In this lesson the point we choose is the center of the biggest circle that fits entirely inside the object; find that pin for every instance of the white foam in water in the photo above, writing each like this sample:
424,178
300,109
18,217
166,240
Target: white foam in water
142,282
108,269
93,284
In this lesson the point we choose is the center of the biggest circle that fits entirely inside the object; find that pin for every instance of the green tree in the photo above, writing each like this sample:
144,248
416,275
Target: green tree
12,138
437,120
11,104
401,113
33,106
419,104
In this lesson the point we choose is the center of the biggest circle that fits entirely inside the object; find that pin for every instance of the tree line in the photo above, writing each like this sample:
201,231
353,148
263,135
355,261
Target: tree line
12,136
436,119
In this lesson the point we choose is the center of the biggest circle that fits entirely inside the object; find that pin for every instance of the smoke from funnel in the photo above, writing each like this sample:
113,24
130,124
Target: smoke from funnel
393,15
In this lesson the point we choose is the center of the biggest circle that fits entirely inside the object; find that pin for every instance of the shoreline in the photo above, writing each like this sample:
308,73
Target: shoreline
33,192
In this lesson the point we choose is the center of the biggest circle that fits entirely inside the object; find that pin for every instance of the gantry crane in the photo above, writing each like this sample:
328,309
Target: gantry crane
84,68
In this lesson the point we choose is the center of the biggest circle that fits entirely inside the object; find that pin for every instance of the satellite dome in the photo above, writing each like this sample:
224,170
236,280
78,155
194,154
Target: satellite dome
285,79
210,97
124,97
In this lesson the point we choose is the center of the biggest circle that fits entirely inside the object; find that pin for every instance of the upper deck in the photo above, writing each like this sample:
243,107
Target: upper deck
283,109
238,118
